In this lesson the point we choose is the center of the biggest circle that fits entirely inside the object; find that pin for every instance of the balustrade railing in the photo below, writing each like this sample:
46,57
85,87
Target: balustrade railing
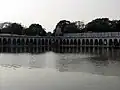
98,35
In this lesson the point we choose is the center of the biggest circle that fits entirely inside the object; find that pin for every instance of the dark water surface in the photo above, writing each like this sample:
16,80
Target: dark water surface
63,69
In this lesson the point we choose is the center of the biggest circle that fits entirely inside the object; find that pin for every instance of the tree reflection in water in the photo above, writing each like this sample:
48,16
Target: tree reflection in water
63,59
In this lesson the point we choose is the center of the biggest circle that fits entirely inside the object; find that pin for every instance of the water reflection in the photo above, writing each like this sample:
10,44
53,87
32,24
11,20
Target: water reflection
63,68
104,53
103,61
36,50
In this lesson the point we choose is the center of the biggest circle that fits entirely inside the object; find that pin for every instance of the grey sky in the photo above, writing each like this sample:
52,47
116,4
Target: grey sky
49,12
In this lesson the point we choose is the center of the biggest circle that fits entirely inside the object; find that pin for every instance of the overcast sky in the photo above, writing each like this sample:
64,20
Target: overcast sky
49,12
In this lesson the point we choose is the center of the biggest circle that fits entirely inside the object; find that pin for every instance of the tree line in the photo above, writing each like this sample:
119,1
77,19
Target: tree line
64,26
18,29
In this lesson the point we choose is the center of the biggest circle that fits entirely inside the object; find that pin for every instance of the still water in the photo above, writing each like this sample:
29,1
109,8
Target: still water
61,69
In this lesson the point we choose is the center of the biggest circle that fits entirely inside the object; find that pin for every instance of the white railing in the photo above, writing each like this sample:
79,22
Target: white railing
99,35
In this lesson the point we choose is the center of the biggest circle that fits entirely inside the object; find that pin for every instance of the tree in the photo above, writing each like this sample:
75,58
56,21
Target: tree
60,27
116,25
80,25
99,25
16,28
35,29
71,28
65,26
12,28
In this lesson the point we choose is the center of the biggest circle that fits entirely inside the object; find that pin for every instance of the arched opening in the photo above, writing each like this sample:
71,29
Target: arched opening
96,42
22,42
116,43
64,42
46,41
87,42
75,42
67,42
14,41
110,42
91,41
83,42
31,42
60,41
4,41
100,42
18,41
35,42
105,41
50,42
9,41
79,42
71,42
39,42
57,42
27,41
43,42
